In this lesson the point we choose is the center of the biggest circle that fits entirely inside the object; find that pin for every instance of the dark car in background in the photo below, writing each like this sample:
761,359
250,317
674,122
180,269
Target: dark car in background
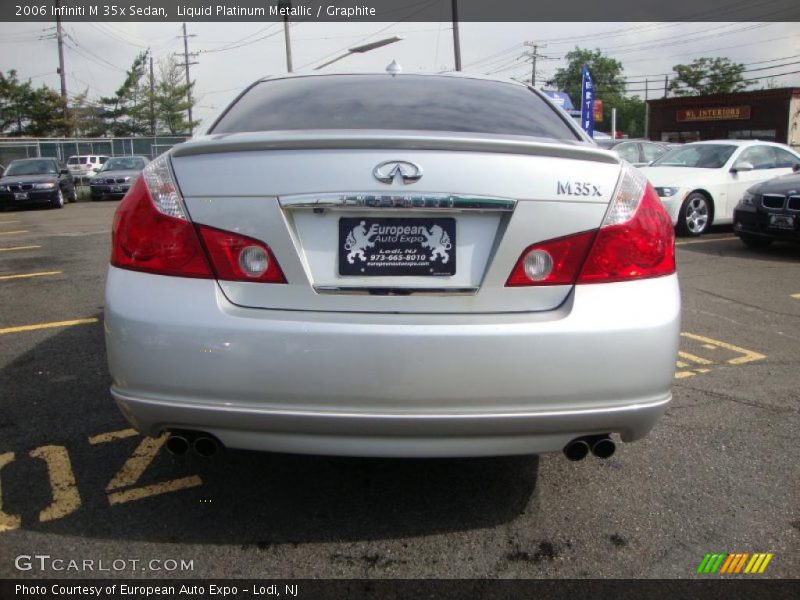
637,152
116,177
770,211
30,181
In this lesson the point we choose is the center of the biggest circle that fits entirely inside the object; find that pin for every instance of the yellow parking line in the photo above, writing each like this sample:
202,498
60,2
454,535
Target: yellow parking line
153,490
748,355
65,496
141,458
103,438
11,232
15,248
29,275
693,358
8,222
52,325
723,239
797,296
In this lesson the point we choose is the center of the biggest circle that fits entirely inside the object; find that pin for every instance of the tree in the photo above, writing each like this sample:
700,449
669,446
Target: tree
708,76
25,110
86,117
126,112
606,74
630,115
171,100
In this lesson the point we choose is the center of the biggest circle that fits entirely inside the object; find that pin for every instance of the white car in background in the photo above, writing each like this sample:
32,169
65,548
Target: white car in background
701,183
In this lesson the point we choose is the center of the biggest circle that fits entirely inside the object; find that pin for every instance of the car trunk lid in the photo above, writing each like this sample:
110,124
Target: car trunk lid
316,199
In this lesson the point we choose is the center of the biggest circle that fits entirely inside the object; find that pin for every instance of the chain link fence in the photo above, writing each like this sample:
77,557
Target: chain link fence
63,148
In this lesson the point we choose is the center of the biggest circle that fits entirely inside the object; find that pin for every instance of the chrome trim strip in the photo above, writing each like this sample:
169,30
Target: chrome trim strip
381,200
395,290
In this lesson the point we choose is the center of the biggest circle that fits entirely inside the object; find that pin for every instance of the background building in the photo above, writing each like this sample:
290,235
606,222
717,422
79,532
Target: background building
771,115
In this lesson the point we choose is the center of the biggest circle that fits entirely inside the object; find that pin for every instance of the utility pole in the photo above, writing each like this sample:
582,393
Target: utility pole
186,62
533,55
646,111
152,97
666,85
456,38
61,72
285,6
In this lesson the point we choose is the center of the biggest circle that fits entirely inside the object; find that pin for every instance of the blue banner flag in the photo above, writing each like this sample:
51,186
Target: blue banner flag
587,102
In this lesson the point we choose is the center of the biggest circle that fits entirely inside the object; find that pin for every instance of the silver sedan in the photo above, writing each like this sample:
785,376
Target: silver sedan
392,265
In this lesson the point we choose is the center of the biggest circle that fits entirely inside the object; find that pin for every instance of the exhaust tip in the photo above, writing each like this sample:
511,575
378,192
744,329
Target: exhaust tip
177,445
603,447
206,446
576,450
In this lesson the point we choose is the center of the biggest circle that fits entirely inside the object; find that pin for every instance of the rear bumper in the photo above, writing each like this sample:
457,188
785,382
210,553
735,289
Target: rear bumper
181,356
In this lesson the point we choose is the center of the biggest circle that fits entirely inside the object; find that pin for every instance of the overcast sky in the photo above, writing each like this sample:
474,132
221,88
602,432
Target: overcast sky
231,55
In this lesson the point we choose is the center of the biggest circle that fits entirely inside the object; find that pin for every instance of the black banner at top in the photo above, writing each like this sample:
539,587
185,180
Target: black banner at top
401,10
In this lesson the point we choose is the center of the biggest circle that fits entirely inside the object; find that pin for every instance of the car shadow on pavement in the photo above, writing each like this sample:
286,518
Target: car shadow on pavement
56,395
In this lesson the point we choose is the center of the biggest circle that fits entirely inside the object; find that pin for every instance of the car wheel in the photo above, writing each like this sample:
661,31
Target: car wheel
695,216
58,201
755,241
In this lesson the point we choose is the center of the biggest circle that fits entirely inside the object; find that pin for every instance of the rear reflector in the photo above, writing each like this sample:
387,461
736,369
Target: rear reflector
152,233
567,255
635,241
239,258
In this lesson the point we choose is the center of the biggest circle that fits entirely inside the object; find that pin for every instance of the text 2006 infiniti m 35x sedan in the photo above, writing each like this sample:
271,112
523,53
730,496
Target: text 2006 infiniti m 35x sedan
392,265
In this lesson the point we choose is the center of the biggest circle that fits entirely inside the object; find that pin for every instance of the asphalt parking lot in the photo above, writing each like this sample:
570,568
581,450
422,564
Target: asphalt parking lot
718,474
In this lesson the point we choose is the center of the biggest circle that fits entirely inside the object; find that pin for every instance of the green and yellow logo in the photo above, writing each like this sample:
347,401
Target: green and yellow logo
734,564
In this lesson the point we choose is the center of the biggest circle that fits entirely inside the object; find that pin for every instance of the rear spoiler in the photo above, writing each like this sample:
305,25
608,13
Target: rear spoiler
391,140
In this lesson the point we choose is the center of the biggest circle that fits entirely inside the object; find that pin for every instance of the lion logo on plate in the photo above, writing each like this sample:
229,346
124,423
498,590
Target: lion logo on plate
438,241
358,240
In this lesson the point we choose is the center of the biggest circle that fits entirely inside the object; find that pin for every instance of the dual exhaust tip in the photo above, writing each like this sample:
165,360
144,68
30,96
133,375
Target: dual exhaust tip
602,446
203,444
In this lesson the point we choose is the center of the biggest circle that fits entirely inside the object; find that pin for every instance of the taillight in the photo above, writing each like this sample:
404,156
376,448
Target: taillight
239,258
152,233
635,241
554,262
146,238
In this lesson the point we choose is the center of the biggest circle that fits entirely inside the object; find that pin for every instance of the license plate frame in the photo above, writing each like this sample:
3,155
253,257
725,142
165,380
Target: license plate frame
397,246
785,222
21,196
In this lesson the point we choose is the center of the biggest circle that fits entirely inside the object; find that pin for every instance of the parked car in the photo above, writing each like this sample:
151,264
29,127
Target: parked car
700,183
116,177
639,153
452,269
770,211
36,181
85,166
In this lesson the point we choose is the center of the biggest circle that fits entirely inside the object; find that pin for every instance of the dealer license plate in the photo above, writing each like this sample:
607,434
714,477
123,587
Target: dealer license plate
397,246
20,195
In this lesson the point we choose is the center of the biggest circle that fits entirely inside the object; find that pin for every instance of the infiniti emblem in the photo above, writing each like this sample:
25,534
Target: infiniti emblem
387,171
